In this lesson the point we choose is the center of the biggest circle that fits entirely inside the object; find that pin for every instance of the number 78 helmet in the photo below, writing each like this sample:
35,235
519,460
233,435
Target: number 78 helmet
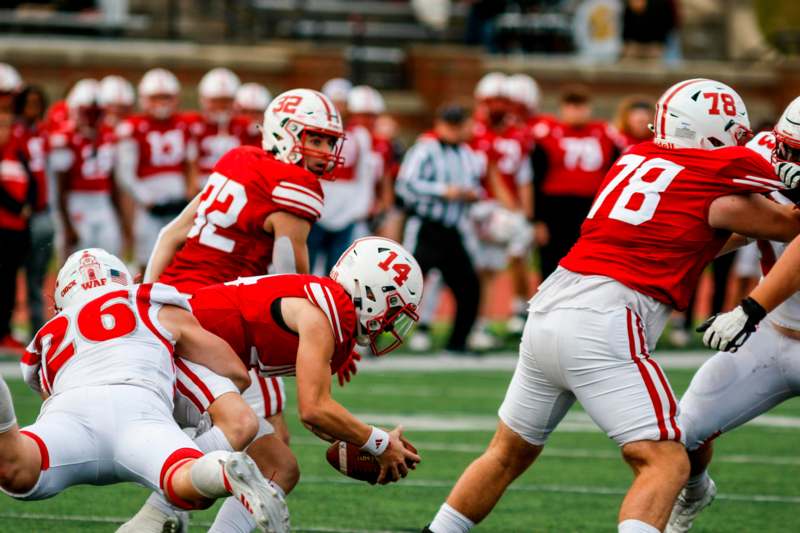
701,113
385,282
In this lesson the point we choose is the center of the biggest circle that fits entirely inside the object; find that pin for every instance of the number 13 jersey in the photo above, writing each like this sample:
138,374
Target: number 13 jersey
648,227
227,239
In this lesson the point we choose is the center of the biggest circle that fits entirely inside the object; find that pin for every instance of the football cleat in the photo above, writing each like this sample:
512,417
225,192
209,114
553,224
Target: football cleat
685,510
248,485
150,519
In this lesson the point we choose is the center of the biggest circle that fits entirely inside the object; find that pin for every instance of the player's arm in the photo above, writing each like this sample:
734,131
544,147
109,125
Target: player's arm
754,216
286,226
170,239
499,188
200,346
125,165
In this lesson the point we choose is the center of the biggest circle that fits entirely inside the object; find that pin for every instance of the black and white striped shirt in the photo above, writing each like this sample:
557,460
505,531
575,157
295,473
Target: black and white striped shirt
428,169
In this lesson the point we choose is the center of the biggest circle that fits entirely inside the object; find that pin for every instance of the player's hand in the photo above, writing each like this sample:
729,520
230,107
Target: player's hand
789,173
348,369
729,331
396,459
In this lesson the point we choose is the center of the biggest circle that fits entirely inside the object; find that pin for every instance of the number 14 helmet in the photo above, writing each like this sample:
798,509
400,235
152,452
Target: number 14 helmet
385,282
701,113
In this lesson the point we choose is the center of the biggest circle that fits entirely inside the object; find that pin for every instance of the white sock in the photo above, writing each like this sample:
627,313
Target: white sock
157,501
212,440
697,485
207,475
635,526
234,518
448,520
7,417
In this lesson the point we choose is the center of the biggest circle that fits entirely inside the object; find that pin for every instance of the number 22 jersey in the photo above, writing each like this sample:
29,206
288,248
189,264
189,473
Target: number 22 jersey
227,239
648,227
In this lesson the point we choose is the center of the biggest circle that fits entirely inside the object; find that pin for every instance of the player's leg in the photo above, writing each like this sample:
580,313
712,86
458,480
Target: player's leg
20,459
267,397
728,391
533,407
627,394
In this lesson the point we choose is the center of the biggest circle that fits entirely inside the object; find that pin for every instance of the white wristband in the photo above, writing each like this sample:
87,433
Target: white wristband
377,442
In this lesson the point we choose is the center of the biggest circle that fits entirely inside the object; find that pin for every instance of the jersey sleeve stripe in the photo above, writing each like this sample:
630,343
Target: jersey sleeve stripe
300,197
321,300
769,187
332,304
143,305
300,188
296,205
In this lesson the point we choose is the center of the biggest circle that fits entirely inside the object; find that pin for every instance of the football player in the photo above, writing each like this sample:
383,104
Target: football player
152,163
105,363
663,212
251,101
730,390
117,99
82,159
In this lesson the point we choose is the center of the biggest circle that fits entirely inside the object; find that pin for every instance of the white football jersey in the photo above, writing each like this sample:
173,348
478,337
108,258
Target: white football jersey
113,339
788,313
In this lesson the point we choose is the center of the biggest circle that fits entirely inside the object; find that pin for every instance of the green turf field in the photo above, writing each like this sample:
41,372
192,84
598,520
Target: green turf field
576,486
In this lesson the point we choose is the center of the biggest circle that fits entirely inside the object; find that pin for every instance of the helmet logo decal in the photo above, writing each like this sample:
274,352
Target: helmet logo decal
91,272
288,104
401,269
728,103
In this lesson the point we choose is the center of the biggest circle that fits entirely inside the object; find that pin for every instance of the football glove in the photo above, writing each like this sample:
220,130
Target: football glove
729,331
348,369
789,173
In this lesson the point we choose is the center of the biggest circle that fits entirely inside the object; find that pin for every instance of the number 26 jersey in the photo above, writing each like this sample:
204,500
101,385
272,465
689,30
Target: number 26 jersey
227,239
648,227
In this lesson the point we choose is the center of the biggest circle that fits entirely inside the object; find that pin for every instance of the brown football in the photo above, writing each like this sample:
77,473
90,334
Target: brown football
356,463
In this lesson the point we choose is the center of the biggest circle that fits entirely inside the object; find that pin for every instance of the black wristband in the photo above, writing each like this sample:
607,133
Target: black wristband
753,309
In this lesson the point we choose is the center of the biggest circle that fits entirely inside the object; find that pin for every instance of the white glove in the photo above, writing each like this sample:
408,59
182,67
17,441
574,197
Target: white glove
789,173
729,331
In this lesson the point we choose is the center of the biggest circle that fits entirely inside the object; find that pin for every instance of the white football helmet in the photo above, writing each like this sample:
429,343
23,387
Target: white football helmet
385,282
252,97
492,85
159,82
10,80
292,114
219,83
87,274
787,134
522,89
701,113
337,89
363,99
85,93
116,91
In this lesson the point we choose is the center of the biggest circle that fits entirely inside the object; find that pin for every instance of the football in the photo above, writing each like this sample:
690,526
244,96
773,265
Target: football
356,463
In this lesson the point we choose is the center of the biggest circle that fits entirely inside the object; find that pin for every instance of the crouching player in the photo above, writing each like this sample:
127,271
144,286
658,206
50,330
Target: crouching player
105,365
307,326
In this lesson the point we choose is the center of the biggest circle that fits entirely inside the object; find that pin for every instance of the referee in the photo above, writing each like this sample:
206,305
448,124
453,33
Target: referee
438,179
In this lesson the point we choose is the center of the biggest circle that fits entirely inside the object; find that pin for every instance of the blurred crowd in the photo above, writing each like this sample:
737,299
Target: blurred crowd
109,166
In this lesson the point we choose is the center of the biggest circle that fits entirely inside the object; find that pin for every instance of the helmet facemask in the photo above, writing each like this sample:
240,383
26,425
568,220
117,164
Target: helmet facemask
302,153
386,332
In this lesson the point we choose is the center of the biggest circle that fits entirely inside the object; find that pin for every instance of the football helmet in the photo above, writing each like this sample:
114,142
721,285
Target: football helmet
492,85
337,89
116,91
523,90
87,274
10,80
252,97
363,99
83,102
294,113
385,282
787,134
701,113
158,83
219,83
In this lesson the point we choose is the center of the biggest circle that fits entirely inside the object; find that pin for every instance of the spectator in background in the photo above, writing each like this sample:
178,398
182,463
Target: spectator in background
30,151
481,20
438,180
632,121
646,26
571,158
16,199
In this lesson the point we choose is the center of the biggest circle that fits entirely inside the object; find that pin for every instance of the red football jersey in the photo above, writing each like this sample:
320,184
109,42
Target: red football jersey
246,314
577,158
228,240
163,144
24,155
648,227
251,135
508,150
91,161
211,142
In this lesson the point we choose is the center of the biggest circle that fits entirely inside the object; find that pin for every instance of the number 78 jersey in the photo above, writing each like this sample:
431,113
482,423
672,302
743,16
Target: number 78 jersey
648,227
227,239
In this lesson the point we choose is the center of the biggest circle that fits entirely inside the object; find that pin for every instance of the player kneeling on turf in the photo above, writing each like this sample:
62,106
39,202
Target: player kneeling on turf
105,365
